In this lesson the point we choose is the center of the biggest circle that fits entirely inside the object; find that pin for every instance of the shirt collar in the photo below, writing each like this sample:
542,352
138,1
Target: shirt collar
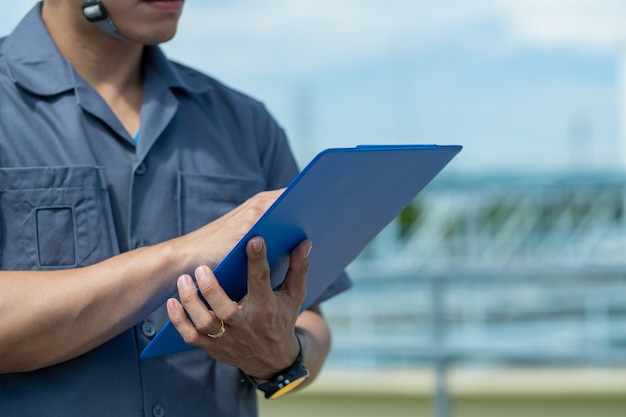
157,62
34,62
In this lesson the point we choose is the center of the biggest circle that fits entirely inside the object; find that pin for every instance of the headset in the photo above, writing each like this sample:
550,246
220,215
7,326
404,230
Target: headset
95,12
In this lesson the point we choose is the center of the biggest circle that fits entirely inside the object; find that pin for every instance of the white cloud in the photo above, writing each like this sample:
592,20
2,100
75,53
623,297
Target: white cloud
297,36
312,35
281,37
267,48
586,24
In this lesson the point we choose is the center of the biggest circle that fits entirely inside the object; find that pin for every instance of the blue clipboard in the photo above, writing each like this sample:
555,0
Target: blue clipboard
341,201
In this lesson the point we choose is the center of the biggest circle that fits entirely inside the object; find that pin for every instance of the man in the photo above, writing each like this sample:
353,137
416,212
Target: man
123,174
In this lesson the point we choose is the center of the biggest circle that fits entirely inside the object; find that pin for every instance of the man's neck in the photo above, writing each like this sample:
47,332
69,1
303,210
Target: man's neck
110,66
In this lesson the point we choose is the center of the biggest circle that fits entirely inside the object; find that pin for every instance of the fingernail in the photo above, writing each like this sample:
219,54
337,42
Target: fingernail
184,281
308,251
257,245
200,273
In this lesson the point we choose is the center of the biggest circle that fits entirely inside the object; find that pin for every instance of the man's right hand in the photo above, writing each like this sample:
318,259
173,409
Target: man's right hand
210,244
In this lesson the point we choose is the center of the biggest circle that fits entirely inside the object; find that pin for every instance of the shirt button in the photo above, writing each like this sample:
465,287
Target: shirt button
148,329
141,169
158,410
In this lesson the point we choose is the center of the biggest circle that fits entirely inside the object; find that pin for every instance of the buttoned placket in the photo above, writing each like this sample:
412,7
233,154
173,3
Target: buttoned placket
152,127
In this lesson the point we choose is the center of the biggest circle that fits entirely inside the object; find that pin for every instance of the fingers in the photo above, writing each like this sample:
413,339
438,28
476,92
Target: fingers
252,209
221,304
259,283
225,232
204,320
265,199
256,205
262,307
295,280
178,317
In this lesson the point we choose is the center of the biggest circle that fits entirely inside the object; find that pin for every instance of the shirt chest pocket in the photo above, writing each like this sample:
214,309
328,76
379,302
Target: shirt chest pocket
204,198
54,217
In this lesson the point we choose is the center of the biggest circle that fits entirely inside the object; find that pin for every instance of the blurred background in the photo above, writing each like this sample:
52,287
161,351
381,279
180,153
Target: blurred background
501,290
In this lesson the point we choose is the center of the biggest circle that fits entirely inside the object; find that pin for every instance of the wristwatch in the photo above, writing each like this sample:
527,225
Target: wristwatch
286,380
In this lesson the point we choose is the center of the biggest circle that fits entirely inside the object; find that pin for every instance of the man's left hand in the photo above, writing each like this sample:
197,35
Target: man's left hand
259,331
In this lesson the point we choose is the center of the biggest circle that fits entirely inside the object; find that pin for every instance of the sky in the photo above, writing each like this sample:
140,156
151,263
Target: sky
523,85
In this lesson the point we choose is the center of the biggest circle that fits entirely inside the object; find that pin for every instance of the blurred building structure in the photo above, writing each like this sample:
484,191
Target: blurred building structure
492,270
621,116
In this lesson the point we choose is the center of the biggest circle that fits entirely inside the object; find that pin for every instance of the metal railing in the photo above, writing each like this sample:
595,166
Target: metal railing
492,270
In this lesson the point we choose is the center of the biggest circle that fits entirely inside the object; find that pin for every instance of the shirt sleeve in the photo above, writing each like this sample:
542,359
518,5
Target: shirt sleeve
277,159
280,168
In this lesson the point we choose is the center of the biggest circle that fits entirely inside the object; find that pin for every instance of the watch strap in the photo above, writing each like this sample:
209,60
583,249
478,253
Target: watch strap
286,380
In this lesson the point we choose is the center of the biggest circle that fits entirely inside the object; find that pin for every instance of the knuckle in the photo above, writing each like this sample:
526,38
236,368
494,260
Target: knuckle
260,271
187,297
300,268
203,323
254,212
191,337
209,288
227,312
244,226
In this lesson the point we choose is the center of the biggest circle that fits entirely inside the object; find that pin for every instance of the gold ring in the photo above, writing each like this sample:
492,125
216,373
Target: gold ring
219,333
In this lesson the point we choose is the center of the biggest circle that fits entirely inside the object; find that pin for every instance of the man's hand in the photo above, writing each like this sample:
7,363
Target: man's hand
77,302
260,330
210,244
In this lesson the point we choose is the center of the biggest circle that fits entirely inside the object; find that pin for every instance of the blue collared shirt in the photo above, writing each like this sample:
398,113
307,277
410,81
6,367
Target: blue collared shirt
76,189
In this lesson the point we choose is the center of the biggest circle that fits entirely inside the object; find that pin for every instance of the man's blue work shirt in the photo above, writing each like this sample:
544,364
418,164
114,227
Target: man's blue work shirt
75,189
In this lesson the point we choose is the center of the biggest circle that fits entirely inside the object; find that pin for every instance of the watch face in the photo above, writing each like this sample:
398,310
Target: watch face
290,385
